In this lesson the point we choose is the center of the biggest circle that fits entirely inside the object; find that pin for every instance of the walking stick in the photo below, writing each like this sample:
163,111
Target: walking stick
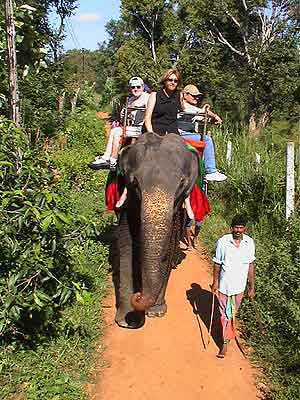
211,318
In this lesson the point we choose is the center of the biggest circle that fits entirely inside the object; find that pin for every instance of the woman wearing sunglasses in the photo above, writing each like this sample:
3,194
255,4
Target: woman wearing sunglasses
163,106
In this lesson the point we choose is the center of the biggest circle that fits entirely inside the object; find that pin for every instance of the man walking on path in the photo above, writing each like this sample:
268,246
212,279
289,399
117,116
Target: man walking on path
235,254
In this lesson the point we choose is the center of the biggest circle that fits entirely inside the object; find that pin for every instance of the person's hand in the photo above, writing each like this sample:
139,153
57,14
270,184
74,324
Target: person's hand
214,287
207,107
122,113
251,293
218,120
197,118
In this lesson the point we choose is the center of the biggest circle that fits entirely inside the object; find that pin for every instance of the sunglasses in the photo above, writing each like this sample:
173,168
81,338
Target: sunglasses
196,96
172,80
135,87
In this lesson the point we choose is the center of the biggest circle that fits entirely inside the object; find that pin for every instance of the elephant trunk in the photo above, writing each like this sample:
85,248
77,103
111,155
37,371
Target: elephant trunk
156,223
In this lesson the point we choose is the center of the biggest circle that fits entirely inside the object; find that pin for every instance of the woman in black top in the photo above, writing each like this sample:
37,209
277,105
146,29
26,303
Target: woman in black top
163,106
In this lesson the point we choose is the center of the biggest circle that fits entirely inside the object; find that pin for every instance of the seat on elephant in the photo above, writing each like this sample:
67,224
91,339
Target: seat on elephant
132,124
132,129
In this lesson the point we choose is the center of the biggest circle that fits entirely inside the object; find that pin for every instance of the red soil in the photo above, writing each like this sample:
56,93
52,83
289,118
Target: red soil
167,357
170,356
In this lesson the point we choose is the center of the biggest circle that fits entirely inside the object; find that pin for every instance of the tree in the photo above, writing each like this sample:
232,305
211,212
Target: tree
146,20
253,35
12,63
243,54
38,61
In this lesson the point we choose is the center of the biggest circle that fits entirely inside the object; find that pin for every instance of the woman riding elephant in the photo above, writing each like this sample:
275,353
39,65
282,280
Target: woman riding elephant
159,175
164,105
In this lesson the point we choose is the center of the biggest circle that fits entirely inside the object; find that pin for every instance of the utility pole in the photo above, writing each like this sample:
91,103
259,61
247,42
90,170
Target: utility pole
12,63
83,63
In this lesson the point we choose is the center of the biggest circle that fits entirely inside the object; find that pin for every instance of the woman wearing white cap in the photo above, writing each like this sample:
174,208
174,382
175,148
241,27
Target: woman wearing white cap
139,98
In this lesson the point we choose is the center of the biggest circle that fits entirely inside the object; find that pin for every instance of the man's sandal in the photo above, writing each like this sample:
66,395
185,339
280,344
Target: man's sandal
223,350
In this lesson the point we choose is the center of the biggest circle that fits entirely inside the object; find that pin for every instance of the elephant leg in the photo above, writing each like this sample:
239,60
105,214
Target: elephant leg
160,308
126,316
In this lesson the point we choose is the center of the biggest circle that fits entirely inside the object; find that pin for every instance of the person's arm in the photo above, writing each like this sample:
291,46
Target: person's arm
218,260
216,275
251,280
123,109
149,111
215,117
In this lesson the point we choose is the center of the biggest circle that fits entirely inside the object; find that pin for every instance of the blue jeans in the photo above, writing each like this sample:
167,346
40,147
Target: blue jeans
209,150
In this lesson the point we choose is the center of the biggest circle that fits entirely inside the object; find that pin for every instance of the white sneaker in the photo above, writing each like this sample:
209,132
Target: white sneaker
99,163
215,176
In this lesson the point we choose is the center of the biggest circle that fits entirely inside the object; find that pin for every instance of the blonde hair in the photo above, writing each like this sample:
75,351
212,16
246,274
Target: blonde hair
167,75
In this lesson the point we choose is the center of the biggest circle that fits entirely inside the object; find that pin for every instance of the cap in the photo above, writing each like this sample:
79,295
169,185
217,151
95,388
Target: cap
192,89
136,80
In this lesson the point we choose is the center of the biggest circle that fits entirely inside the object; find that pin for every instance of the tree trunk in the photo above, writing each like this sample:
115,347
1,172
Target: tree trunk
61,102
255,127
73,99
252,124
12,63
264,119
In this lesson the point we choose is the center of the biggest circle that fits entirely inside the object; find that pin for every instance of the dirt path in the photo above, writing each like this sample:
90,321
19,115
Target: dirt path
166,358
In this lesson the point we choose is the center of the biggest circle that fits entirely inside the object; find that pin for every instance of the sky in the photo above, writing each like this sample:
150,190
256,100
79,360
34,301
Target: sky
87,27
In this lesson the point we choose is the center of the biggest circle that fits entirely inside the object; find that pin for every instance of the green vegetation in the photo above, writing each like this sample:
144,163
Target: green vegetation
245,58
50,294
53,261
258,191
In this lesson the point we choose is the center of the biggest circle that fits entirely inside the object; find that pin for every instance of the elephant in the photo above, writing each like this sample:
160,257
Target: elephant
159,173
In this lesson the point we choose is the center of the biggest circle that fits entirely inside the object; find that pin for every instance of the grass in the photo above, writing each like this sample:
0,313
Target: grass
258,190
58,365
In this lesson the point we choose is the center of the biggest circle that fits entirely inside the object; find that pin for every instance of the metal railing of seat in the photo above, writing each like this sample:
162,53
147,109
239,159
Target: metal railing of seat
133,123
200,126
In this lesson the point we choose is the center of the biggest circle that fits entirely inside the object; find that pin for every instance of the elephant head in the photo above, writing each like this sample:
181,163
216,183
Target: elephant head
159,174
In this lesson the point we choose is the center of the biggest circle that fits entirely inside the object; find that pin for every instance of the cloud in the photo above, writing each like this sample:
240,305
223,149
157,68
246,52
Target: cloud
88,17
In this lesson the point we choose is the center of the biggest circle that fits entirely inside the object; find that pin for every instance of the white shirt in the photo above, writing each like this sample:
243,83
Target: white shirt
192,109
234,262
140,101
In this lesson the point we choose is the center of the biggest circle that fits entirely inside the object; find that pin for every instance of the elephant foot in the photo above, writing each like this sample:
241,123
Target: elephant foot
157,311
130,319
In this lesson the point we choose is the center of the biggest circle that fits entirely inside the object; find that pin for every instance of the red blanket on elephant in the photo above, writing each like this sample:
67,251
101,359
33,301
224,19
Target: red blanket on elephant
112,190
198,198
199,203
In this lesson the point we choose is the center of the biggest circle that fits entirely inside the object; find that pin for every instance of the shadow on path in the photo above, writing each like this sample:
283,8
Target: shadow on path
201,302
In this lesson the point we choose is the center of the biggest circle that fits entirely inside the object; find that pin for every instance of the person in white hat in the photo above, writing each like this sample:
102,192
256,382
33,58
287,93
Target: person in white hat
138,98
191,96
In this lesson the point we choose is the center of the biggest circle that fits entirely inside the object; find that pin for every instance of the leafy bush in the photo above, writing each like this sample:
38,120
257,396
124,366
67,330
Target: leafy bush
39,101
58,365
36,276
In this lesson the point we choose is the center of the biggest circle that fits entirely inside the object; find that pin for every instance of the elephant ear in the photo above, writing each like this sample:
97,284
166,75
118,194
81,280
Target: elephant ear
188,179
191,171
